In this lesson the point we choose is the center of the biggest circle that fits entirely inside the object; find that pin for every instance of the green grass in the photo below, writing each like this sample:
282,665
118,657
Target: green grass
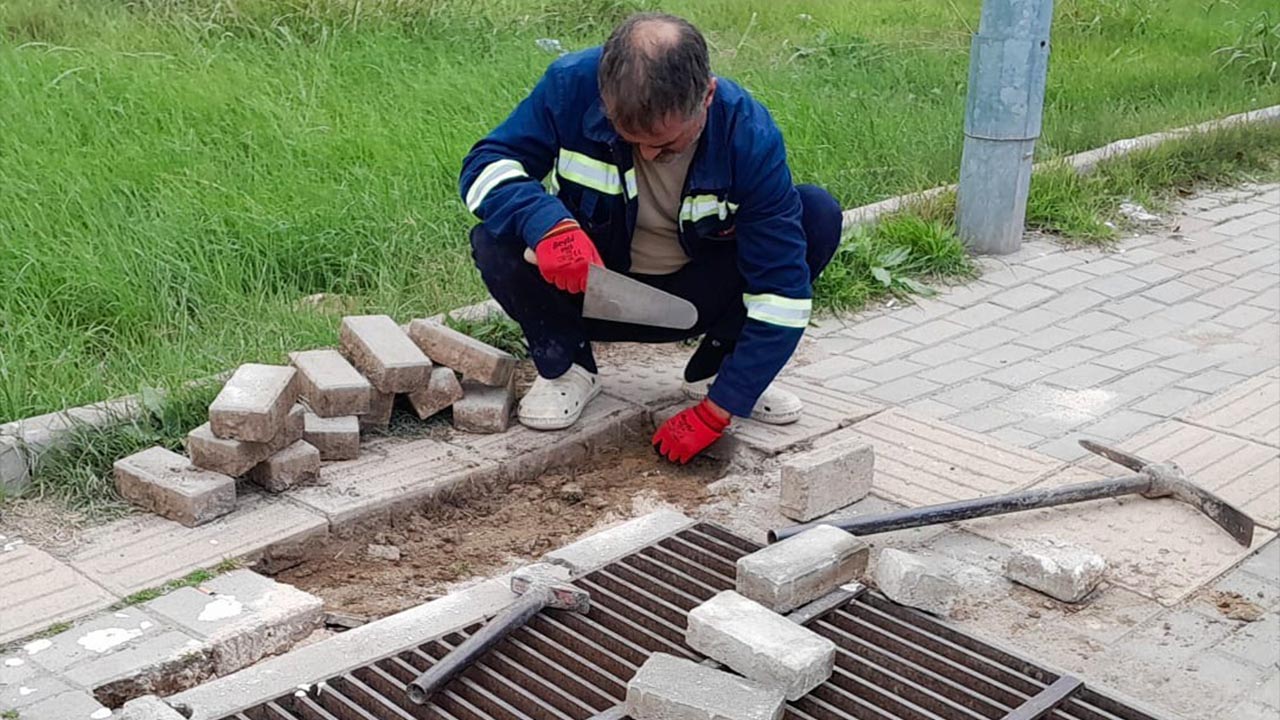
175,175
191,579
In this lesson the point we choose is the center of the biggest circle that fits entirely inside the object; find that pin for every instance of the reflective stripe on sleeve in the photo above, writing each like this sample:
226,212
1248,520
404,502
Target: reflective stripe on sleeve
493,175
778,310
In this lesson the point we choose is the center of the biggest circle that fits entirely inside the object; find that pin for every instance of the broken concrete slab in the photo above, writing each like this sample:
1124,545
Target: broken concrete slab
384,353
607,545
484,409
476,360
1059,569
144,551
71,704
441,392
295,465
237,457
802,568
760,644
671,688
380,407
331,386
916,581
166,483
149,707
40,590
337,438
23,683
253,404
825,479
242,616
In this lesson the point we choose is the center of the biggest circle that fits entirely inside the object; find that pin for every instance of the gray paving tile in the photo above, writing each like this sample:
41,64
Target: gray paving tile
1022,296
887,371
1122,424
40,590
883,349
1082,377
1153,273
934,355
985,419
1030,320
1144,381
1004,355
1105,266
1243,316
1108,340
1251,410
1114,286
835,366
1092,322
1068,357
1257,643
1016,436
933,332
1049,338
1127,359
1169,402
1020,374
985,338
1064,279
954,372
972,394
901,390
1210,381
1134,307
980,315
1226,297
876,327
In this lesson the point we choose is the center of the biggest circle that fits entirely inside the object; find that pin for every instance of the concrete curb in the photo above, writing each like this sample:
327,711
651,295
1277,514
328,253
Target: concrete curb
312,664
1083,162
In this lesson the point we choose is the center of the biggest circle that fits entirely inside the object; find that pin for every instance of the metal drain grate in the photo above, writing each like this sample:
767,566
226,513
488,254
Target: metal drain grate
892,664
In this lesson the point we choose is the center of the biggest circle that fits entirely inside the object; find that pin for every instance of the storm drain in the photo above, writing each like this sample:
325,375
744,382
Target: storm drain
892,664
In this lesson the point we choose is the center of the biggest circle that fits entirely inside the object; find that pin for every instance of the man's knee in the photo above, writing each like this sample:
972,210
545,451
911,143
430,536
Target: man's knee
495,255
823,221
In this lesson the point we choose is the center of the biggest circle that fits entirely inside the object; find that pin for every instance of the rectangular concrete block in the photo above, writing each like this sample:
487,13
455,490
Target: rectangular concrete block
825,479
253,404
803,568
916,581
377,346
39,590
672,688
330,385
380,406
15,470
1061,570
441,392
166,483
596,551
336,438
476,360
149,707
237,457
760,644
484,409
295,465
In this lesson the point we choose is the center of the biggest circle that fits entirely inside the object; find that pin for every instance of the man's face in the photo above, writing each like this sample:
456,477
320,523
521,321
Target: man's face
672,136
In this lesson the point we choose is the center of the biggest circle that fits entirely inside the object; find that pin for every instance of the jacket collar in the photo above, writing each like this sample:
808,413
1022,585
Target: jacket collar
597,127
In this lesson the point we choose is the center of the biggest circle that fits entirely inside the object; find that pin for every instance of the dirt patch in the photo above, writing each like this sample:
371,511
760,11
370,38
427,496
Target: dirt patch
448,544
1235,606
47,524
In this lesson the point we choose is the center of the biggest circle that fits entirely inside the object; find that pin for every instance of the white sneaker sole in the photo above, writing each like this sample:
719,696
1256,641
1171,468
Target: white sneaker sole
697,391
563,421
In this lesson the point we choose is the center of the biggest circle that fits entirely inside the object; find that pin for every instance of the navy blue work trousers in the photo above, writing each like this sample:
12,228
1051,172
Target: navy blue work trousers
559,336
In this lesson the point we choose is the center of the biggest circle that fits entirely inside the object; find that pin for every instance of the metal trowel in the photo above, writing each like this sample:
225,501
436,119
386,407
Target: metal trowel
613,296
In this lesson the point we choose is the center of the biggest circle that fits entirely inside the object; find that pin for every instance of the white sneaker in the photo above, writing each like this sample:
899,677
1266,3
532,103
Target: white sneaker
776,405
556,404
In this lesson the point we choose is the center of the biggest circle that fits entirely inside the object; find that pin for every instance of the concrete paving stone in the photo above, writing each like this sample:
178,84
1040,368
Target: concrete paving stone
603,546
148,707
483,408
1074,301
980,315
441,392
1268,299
474,359
935,355
985,338
24,685
849,385
930,408
1016,437
1169,402
1251,409
877,327
1264,563
882,349
1021,374
920,461
1197,360
1092,322
1055,262
1262,592
1106,341
293,466
1267,690
1210,381
1068,357
787,574
953,372
1242,472
1242,225
1176,636
330,385
167,484
824,411
1153,273
236,457
39,591
336,438
1187,263
984,419
1226,297
1127,359
1134,307
1064,279
760,644
1030,320
253,403
1201,683
1244,316
381,405
1062,570
1261,260
383,352
917,581
73,705
1066,448
1107,265
1022,296
1139,256
922,310
1187,313
1253,364
1051,411
1082,377
1144,382
1256,281
1166,346
902,390
933,332
242,617
671,688
650,380
969,294
1257,643
1207,279
1253,710
1049,338
145,551
1005,273
95,637
822,480
832,367
972,394
839,345
1114,286
891,370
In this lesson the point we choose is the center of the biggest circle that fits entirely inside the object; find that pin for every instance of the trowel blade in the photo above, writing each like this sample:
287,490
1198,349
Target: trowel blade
614,296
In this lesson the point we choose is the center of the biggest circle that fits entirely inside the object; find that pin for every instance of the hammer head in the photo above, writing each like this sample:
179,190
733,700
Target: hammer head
553,582
1168,480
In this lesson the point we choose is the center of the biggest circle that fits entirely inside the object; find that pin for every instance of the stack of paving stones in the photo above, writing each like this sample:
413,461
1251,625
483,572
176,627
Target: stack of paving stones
744,631
273,425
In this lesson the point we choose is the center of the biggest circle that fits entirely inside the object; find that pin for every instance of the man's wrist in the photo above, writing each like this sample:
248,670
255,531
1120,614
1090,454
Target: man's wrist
718,411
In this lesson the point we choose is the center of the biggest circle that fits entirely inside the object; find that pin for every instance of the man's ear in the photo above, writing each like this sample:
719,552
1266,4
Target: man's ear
711,93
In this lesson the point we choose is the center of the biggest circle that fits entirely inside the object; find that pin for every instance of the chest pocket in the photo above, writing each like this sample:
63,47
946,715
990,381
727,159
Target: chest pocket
708,217
588,186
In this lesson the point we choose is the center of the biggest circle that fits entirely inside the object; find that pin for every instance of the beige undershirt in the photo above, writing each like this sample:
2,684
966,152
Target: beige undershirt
655,247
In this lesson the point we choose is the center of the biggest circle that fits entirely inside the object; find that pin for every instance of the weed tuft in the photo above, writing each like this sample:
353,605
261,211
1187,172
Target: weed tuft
493,329
1256,50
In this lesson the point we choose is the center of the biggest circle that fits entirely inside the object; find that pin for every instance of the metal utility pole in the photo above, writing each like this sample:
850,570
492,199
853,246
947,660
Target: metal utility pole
1007,66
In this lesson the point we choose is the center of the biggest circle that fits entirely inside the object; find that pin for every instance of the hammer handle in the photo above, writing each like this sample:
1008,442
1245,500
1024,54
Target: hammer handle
462,657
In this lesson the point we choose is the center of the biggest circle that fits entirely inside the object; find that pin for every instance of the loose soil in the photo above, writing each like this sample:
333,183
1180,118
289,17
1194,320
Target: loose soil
448,544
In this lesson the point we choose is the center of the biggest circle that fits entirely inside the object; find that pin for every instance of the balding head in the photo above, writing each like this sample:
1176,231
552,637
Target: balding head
655,68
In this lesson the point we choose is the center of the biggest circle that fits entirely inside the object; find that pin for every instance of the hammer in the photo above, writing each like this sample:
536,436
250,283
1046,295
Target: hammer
541,585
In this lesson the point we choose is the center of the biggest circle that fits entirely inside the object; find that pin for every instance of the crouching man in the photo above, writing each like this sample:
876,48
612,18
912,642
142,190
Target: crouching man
656,168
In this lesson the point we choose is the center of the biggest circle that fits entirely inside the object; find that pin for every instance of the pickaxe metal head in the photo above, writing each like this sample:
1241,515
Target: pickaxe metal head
1168,480
553,581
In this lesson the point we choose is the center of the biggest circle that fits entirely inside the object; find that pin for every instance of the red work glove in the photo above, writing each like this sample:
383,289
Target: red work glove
689,432
563,256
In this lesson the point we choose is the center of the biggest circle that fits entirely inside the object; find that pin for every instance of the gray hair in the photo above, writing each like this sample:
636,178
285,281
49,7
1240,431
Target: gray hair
653,66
